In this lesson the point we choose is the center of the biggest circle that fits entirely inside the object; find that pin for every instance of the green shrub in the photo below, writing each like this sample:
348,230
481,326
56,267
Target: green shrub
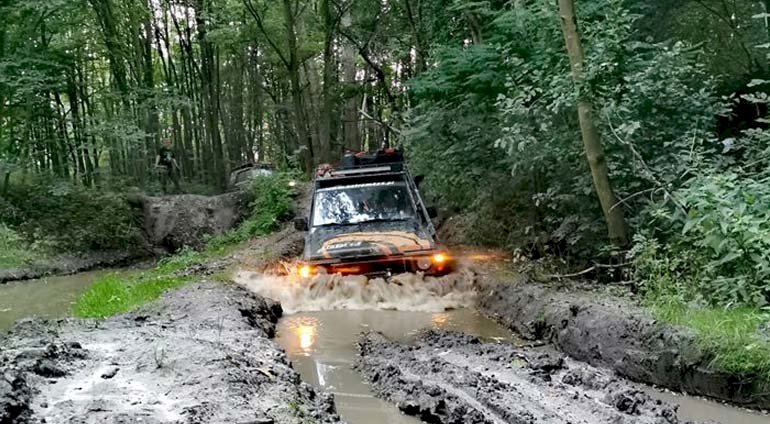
271,203
719,253
676,288
64,217
13,250
183,259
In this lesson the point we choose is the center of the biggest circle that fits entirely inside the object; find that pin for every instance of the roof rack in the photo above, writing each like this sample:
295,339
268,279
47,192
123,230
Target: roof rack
364,164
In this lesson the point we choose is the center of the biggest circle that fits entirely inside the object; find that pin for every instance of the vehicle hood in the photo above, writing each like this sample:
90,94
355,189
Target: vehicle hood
365,240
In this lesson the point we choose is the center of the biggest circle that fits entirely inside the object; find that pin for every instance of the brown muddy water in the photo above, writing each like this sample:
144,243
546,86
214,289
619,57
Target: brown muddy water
50,297
322,348
326,316
324,320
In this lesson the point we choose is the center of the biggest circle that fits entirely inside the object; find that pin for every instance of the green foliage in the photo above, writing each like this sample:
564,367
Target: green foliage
495,128
719,253
453,128
675,286
271,203
114,294
180,261
13,251
62,217
732,337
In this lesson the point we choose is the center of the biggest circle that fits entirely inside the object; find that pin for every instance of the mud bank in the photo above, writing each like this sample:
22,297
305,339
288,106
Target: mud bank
169,223
618,335
173,222
198,355
69,264
453,378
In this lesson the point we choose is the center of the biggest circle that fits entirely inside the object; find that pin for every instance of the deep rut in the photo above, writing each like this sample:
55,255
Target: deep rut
452,378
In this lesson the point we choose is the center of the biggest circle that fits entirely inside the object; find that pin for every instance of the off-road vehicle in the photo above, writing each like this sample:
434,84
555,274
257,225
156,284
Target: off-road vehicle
367,217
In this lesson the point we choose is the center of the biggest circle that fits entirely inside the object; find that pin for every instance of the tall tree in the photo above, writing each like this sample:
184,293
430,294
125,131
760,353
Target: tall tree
592,143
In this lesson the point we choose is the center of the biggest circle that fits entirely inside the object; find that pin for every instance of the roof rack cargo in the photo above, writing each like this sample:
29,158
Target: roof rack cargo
384,156
364,163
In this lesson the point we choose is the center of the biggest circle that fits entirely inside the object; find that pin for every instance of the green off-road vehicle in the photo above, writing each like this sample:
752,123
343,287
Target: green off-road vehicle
367,217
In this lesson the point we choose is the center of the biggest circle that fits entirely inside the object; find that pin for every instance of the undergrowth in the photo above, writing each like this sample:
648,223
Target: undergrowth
271,204
736,336
119,293
13,251
732,337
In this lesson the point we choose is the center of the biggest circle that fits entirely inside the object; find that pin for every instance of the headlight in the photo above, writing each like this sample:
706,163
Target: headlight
439,259
305,271
424,264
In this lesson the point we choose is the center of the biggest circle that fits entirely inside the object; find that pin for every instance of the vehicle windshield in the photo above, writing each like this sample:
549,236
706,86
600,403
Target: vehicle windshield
362,203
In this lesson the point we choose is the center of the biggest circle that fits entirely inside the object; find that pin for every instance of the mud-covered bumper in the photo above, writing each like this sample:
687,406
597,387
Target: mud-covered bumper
433,262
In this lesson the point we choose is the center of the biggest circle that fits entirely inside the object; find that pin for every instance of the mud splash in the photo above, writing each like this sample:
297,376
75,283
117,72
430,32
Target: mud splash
407,292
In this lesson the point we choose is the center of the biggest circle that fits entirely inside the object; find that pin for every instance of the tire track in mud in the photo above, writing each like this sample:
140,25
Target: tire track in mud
451,378
202,354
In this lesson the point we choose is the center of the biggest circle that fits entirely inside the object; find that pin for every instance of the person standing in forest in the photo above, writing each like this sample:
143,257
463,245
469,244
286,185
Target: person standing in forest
166,163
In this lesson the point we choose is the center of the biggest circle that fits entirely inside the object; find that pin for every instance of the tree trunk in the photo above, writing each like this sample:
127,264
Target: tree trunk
303,138
592,142
351,132
329,82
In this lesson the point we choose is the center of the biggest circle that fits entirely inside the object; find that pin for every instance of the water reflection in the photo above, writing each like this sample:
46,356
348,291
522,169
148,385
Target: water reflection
440,320
307,336
302,332
50,297
322,348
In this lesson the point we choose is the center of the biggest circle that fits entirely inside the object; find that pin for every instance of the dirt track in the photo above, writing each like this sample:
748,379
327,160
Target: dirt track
452,378
199,355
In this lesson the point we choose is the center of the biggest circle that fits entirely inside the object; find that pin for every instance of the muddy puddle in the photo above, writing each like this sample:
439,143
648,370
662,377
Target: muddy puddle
326,316
322,348
49,297
702,410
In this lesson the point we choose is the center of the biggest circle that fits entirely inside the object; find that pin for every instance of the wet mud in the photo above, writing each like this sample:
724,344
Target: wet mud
68,265
453,378
174,222
202,354
613,333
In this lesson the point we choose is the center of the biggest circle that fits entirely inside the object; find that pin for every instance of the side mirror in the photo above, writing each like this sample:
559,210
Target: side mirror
300,224
432,212
418,180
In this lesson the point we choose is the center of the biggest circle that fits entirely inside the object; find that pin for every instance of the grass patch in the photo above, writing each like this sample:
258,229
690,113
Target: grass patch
731,336
113,294
15,257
